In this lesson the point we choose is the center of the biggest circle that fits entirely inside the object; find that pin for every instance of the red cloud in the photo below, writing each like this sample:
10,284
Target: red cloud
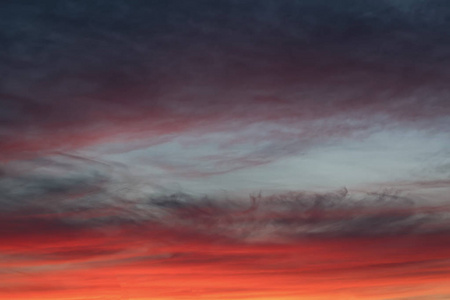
281,247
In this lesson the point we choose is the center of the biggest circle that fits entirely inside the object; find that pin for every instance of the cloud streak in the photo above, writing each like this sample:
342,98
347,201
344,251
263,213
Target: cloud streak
99,76
178,245
120,122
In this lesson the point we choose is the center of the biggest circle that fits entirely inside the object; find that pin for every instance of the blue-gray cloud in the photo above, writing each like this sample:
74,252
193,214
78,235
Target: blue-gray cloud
83,66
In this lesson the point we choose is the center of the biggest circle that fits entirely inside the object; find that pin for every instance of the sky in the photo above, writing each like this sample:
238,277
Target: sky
225,149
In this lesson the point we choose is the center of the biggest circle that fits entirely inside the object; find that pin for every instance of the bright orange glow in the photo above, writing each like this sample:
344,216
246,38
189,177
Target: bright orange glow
129,265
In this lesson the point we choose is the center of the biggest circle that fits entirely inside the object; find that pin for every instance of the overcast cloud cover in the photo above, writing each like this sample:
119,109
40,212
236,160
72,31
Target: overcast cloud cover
224,149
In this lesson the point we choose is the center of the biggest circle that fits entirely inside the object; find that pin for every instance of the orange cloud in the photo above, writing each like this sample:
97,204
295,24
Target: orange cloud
290,246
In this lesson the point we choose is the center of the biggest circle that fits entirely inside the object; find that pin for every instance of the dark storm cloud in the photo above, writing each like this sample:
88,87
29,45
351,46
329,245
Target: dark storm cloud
90,68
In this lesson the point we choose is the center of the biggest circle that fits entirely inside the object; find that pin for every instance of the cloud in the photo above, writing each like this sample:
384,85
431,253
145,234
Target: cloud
107,226
76,190
95,198
251,82
74,75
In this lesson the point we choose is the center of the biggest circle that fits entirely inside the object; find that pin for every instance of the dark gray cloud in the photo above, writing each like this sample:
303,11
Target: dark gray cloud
48,203
91,68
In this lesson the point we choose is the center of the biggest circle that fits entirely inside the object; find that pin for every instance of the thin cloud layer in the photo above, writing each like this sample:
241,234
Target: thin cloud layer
57,228
199,149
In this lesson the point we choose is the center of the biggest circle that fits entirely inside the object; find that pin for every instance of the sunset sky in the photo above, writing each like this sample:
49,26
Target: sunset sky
225,149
